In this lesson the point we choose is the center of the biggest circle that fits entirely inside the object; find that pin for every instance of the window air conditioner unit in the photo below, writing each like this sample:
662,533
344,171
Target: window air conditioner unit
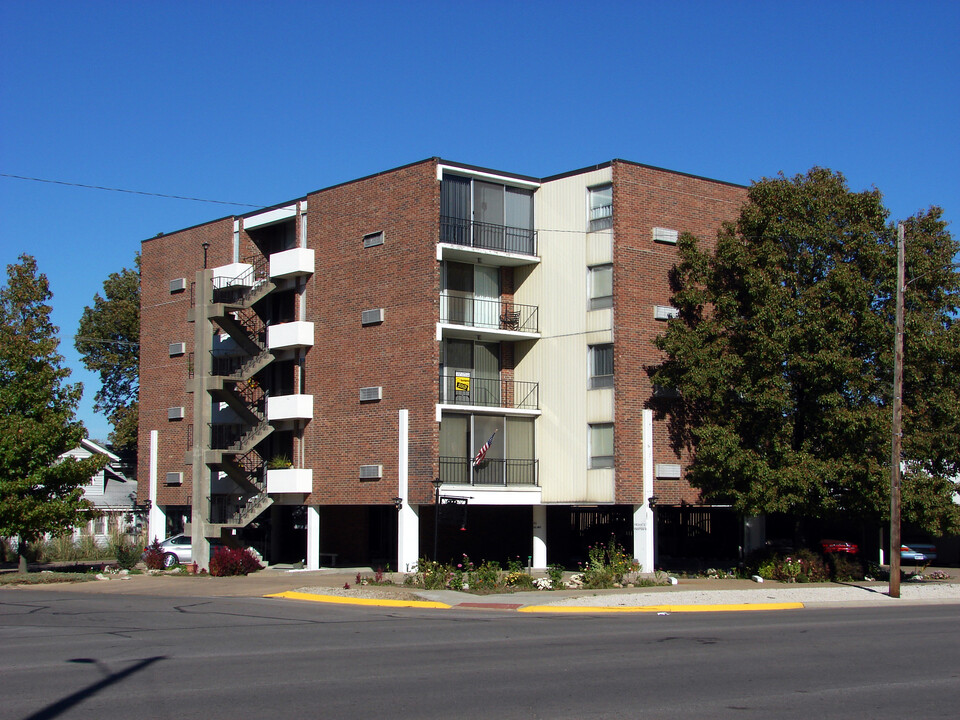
663,235
174,478
668,471
373,239
663,312
178,285
370,394
371,317
371,472
175,413
178,348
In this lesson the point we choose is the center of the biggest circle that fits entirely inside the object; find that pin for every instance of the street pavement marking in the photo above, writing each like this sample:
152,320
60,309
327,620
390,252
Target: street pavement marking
340,600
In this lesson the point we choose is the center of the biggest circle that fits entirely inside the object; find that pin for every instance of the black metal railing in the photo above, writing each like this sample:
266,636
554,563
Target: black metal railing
457,389
223,437
231,437
253,325
243,286
492,472
236,366
224,507
488,313
489,236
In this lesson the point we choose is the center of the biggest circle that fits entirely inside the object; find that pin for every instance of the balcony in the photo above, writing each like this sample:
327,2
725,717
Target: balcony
490,473
290,335
290,480
495,319
472,235
292,263
289,407
461,389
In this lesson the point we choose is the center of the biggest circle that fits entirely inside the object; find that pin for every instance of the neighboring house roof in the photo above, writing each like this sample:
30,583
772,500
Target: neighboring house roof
109,489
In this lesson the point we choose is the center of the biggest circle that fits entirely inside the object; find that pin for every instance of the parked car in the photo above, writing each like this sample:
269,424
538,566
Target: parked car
838,546
918,552
177,549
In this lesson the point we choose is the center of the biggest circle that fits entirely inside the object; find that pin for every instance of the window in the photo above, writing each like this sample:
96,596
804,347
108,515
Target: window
600,281
485,214
601,207
601,445
601,366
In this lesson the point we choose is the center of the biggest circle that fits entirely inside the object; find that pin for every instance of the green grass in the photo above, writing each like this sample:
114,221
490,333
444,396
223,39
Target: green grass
44,578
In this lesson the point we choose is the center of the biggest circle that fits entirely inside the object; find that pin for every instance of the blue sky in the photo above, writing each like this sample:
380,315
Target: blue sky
258,103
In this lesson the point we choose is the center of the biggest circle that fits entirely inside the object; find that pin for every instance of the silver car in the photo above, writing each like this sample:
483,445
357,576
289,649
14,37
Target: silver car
177,549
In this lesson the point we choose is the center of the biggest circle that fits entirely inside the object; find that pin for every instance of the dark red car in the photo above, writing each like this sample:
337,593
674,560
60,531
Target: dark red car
838,546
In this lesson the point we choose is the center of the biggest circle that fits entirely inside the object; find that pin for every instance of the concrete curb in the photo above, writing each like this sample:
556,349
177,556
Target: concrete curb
429,604
741,607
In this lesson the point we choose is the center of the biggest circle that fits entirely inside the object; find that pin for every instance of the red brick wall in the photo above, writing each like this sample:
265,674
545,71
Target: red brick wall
401,354
644,198
163,320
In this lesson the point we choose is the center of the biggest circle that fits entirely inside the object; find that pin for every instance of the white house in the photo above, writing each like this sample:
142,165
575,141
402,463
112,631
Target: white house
110,491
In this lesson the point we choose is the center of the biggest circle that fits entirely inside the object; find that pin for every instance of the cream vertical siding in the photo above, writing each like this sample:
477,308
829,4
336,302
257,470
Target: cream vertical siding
558,361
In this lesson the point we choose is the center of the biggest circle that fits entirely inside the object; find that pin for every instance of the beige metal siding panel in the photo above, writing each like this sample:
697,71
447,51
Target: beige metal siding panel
559,360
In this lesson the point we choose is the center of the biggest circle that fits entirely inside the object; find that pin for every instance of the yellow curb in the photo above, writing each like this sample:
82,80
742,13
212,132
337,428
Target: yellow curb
661,608
340,600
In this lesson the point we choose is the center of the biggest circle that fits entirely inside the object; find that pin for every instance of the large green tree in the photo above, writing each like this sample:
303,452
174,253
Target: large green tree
108,342
38,492
782,356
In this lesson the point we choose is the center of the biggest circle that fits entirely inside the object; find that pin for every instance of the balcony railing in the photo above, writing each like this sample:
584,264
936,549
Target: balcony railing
488,236
489,473
244,285
458,389
488,313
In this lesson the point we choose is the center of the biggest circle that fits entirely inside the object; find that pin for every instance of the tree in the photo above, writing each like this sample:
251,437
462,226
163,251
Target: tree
782,356
108,342
38,492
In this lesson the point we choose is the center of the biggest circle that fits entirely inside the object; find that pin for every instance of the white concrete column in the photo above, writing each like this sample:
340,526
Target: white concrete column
156,518
408,522
643,527
313,537
540,537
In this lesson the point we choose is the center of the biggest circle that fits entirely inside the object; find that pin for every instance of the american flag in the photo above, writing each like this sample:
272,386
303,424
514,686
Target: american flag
482,453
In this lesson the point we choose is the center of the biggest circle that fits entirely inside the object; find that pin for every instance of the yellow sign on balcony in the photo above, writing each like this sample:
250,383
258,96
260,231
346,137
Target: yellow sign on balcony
462,383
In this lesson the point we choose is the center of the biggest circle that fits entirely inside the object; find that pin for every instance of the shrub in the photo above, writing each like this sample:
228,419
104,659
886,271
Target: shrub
429,575
126,552
844,568
486,576
608,565
153,556
555,573
233,561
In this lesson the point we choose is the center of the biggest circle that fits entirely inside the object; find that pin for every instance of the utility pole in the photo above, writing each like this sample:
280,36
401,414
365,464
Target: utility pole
894,590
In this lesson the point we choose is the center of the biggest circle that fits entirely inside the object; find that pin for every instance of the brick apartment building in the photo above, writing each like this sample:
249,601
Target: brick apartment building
317,378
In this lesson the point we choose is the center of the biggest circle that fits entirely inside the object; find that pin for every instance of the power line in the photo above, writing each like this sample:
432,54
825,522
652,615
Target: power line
123,190
104,341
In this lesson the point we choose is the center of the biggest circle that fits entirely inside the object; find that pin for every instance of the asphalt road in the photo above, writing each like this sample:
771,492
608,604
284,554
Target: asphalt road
70,655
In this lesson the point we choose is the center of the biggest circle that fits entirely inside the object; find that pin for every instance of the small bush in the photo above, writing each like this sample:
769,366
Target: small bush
486,576
608,566
802,566
555,573
429,575
844,568
233,561
153,556
127,554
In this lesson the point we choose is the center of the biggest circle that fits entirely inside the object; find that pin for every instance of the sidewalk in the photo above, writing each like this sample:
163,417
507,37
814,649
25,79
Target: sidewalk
689,595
